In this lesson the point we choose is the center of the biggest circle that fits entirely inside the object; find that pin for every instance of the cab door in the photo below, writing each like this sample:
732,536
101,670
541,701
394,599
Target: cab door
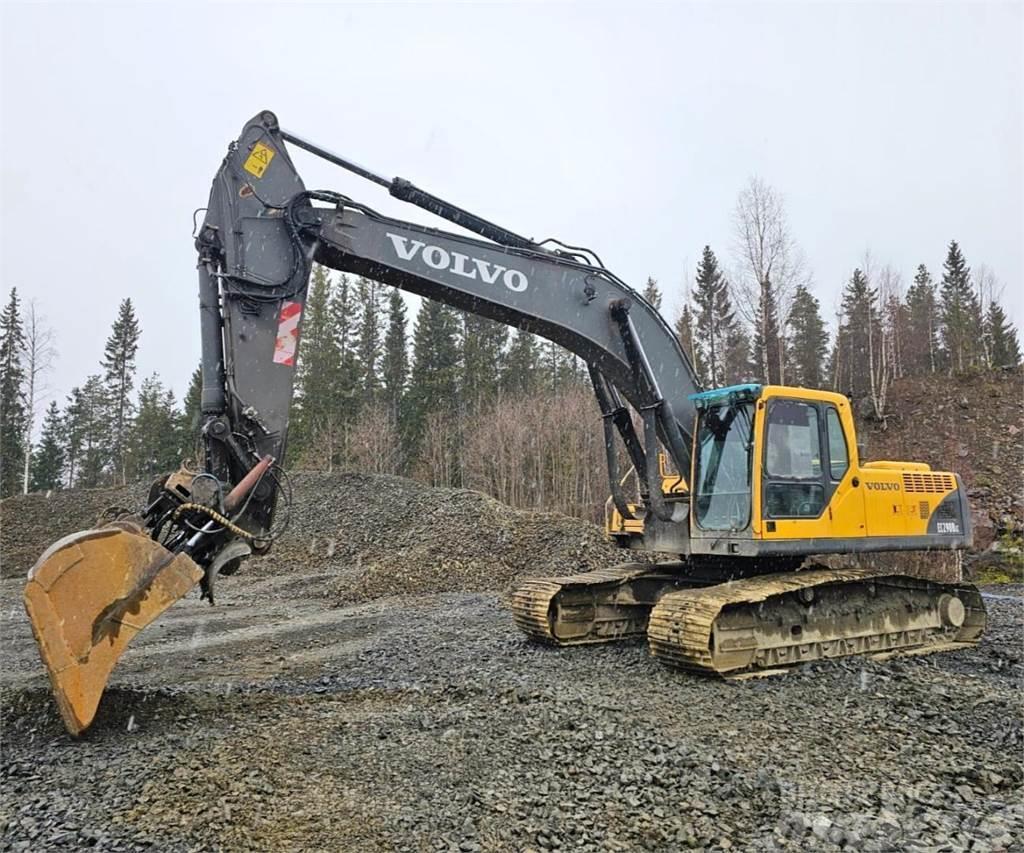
808,488
846,502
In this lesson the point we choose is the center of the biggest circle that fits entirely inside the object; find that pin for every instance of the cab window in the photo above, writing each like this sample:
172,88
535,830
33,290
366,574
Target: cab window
838,456
793,461
793,448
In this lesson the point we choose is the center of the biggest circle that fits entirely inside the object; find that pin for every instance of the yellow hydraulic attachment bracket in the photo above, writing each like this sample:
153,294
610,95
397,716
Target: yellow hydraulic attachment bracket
87,596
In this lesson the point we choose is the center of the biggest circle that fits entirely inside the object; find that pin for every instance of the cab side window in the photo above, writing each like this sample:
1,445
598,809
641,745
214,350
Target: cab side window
793,447
793,461
838,455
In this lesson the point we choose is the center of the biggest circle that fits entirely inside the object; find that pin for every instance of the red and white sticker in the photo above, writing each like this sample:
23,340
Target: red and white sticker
288,334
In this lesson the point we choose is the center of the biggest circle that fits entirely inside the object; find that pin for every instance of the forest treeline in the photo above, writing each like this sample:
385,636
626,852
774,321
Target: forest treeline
454,399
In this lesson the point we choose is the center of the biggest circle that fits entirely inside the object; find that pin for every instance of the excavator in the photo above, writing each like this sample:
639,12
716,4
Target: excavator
738,485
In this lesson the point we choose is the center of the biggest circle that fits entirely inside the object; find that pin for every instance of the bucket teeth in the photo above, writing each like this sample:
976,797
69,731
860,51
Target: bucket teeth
87,597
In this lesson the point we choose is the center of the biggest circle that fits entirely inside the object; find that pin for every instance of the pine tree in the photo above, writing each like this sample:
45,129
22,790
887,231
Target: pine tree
153,446
768,345
652,293
13,414
483,347
48,456
370,296
119,376
853,357
921,347
808,341
395,361
714,321
961,313
1003,344
521,371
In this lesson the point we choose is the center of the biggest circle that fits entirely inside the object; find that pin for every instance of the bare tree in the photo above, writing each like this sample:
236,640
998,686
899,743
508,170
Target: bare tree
989,290
770,266
38,357
883,341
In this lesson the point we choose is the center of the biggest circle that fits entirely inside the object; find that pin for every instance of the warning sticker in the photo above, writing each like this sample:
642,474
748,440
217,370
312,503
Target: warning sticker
258,160
287,334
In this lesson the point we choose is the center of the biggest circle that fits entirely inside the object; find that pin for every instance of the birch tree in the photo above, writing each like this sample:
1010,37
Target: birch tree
38,356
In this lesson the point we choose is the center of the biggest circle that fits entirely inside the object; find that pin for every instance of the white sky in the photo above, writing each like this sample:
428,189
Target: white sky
630,129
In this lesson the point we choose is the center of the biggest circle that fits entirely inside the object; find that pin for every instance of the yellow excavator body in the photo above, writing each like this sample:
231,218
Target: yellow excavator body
87,597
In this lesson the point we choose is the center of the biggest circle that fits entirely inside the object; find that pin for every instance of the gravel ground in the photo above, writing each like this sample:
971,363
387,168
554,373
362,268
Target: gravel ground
275,721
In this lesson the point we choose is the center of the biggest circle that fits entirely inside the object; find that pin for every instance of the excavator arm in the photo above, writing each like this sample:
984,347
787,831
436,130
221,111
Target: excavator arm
90,593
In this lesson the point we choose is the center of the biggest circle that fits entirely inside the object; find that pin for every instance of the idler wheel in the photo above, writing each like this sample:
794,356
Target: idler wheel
951,611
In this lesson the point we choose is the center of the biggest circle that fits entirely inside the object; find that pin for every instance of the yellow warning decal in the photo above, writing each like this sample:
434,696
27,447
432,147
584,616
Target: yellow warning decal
258,160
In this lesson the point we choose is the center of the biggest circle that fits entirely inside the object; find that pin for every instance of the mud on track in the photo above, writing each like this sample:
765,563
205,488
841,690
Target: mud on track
276,721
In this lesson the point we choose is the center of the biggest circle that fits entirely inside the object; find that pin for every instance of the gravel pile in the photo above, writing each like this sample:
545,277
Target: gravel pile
444,730
368,536
380,536
29,524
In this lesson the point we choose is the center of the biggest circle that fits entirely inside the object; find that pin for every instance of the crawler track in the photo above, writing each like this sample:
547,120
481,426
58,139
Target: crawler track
594,607
773,621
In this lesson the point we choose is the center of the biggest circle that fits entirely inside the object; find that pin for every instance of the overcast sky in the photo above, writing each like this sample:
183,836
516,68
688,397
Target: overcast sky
892,128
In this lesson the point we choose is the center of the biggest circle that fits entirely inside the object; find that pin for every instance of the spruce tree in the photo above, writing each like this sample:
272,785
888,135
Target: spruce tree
13,412
921,352
521,370
714,320
119,376
153,447
768,345
316,420
370,296
434,383
684,330
48,456
652,293
93,433
961,313
736,366
853,357
483,347
559,368
191,414
1002,336
808,341
347,381
395,360
73,434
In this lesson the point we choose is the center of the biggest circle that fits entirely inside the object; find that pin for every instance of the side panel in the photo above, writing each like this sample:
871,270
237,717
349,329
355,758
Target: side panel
885,508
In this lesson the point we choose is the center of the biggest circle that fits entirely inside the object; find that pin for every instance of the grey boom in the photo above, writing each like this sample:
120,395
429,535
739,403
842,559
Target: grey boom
261,233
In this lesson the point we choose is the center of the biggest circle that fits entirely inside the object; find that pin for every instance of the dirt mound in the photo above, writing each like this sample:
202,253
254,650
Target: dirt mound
390,535
371,536
973,425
